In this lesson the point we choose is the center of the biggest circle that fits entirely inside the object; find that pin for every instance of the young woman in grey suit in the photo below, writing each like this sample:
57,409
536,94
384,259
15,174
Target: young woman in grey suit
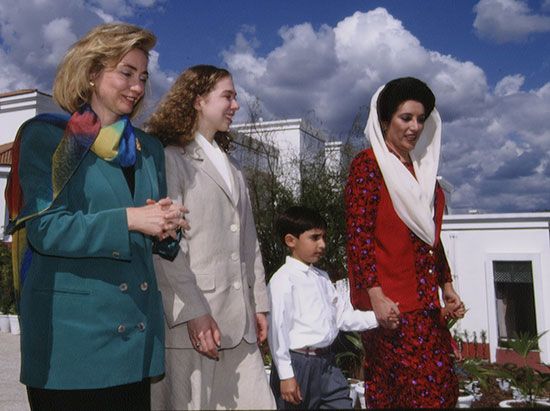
214,292
91,195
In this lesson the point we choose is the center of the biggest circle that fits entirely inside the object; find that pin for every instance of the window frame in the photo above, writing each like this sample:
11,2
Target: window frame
538,295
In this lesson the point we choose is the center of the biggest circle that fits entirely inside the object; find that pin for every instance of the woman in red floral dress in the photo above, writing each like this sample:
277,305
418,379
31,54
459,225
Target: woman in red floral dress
396,260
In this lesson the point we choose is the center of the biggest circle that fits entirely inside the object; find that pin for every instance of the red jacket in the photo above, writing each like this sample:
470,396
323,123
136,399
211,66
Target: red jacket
382,250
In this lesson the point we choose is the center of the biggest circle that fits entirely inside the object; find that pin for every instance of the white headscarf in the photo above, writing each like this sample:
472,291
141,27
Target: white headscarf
412,198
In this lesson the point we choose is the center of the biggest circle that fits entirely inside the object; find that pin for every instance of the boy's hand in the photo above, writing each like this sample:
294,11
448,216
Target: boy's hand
384,308
393,319
290,391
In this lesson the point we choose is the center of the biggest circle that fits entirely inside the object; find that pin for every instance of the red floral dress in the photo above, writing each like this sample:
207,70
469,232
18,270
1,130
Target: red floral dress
410,367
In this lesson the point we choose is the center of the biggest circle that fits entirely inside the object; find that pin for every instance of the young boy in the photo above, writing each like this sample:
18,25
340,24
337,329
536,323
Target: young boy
306,315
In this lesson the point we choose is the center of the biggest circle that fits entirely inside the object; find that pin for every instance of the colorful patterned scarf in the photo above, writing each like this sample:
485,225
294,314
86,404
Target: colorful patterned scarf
82,133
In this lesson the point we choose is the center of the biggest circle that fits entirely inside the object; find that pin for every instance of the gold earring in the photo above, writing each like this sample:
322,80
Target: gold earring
92,83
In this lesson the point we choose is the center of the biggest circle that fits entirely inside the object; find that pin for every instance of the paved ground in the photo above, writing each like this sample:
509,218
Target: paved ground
12,393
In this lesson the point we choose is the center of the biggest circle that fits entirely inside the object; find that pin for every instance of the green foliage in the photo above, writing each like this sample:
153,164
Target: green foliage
323,190
530,381
320,188
523,343
269,198
7,295
350,354
472,370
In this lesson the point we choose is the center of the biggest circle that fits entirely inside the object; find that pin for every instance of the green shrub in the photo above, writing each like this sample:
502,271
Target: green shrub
7,295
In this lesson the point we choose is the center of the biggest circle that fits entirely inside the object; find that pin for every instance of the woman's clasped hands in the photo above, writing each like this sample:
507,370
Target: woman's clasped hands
159,219
386,310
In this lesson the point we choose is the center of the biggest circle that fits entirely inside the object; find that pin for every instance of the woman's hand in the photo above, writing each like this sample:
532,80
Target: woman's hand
205,335
149,219
385,310
261,327
454,306
159,219
175,213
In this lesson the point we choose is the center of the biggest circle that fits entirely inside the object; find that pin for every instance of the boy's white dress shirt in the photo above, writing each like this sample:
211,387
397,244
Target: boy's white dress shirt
307,311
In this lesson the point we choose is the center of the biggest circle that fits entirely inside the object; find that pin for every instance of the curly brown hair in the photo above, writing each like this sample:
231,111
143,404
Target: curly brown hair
103,46
175,120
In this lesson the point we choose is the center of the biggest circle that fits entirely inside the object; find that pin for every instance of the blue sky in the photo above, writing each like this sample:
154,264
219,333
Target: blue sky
206,28
488,62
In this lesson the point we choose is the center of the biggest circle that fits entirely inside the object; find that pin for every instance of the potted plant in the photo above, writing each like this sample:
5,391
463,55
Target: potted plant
472,377
529,383
349,359
14,320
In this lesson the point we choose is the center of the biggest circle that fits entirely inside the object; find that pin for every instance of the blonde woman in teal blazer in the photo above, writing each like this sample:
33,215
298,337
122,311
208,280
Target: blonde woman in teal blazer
93,192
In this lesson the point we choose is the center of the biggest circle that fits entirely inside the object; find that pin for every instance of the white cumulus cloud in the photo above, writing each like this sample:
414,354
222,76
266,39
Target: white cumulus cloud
332,71
509,20
509,85
495,141
34,36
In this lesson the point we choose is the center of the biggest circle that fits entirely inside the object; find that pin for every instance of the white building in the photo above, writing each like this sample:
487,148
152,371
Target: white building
15,108
295,139
501,264
18,106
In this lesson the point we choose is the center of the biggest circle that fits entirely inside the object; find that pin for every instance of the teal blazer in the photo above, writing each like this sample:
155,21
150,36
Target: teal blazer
91,312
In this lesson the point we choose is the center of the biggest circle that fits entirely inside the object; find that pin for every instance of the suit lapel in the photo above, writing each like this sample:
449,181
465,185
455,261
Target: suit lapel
145,175
194,151
115,179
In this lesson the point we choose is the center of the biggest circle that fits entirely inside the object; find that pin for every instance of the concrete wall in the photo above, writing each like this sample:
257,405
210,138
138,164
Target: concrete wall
473,242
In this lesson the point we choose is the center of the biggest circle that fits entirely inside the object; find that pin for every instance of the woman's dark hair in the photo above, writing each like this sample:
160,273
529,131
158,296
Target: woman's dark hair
402,89
297,220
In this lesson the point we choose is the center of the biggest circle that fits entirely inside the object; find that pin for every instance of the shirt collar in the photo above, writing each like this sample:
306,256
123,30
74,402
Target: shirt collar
298,265
204,143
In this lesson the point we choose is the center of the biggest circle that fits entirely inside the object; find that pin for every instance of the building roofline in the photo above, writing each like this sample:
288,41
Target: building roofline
497,217
23,91
279,125
267,124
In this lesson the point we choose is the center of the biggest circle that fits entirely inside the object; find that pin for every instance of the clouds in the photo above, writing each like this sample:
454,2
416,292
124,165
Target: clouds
499,159
509,20
496,138
509,85
496,142
35,34
334,70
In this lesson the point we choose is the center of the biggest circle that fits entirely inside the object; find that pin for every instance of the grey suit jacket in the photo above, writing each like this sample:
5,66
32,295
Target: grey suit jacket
219,267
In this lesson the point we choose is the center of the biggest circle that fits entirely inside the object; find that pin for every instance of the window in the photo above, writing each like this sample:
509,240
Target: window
515,300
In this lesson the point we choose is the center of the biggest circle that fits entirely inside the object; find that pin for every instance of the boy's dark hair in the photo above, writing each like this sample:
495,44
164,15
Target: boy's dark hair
297,220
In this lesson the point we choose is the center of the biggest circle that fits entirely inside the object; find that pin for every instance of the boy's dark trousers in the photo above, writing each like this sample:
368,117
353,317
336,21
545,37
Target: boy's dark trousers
322,384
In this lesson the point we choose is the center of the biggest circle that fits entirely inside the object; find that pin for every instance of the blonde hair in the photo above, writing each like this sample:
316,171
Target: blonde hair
175,120
103,46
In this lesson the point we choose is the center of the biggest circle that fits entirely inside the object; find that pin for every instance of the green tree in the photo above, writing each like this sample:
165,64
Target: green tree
272,190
